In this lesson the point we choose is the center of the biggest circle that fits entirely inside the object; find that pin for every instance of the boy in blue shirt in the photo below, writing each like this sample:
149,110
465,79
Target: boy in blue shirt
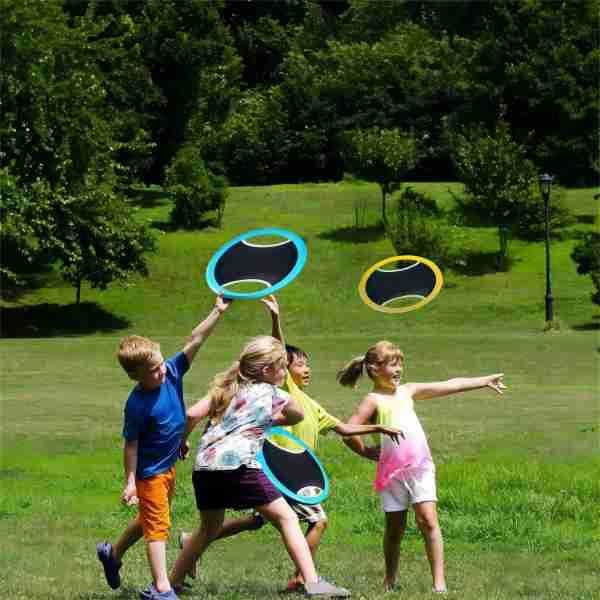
154,423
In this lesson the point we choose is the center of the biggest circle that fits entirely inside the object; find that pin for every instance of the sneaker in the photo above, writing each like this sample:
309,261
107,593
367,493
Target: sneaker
111,566
324,589
153,594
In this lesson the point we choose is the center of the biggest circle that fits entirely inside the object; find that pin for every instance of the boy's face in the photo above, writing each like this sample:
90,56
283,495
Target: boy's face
299,370
154,372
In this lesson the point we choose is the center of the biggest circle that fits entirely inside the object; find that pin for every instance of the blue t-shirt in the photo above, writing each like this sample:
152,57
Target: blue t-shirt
156,419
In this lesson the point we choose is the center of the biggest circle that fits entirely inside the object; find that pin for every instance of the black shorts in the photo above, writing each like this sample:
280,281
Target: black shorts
235,488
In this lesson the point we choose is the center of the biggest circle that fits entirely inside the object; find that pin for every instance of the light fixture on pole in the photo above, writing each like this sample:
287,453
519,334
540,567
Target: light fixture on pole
545,182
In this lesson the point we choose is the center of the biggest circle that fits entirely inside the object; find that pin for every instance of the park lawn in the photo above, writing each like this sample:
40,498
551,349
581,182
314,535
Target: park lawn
518,475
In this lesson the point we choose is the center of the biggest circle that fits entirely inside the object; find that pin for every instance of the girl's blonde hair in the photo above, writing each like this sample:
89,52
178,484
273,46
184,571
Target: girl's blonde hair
381,353
260,352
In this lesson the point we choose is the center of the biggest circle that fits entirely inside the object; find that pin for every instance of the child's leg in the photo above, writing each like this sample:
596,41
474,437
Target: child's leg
234,526
314,533
427,520
157,557
283,517
395,526
133,532
196,544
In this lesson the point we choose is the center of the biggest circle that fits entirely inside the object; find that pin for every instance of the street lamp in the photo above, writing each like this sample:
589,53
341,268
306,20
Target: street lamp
545,182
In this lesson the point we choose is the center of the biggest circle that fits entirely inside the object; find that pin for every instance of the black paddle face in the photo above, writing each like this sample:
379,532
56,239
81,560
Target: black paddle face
400,284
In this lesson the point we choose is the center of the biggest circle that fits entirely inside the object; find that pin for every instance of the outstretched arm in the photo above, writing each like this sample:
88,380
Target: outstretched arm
271,303
350,429
435,389
204,329
364,414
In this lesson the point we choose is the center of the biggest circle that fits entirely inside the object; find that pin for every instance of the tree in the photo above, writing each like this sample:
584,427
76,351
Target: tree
498,178
383,156
196,189
93,237
587,256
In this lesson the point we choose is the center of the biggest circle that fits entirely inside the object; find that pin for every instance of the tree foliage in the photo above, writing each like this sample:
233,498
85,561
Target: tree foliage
587,256
383,156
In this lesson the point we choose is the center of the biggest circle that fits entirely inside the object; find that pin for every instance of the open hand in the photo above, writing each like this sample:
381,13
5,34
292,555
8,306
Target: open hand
393,432
495,382
271,303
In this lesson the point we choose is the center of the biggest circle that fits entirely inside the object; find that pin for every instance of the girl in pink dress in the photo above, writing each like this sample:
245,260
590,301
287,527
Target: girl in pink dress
405,472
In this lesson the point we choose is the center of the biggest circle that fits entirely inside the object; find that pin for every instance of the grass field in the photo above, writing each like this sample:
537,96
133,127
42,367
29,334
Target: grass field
518,475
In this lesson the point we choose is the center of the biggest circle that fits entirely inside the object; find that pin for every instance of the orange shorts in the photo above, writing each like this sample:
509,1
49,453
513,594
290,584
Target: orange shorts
154,495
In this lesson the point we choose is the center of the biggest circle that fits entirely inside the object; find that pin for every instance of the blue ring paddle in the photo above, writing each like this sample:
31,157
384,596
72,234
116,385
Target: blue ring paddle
273,265
286,491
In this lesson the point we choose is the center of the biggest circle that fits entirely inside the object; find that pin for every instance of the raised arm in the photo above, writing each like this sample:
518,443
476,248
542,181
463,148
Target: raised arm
204,329
271,303
364,415
435,389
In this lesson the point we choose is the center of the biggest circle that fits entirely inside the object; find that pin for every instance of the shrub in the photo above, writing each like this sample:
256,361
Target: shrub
196,189
587,256
415,227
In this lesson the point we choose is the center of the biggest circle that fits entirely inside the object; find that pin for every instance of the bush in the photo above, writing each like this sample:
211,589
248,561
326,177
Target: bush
531,220
197,191
587,256
415,227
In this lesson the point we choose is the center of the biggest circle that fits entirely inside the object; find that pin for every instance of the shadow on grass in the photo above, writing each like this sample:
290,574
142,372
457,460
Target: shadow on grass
481,263
147,197
594,325
585,219
48,320
354,235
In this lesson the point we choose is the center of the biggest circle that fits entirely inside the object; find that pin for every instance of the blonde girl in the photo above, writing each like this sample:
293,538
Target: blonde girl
245,402
405,472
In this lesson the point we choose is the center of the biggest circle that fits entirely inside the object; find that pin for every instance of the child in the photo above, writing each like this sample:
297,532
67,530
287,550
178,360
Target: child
153,429
244,402
405,474
316,421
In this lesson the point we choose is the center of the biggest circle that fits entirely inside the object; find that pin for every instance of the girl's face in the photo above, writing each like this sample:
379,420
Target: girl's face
389,373
274,373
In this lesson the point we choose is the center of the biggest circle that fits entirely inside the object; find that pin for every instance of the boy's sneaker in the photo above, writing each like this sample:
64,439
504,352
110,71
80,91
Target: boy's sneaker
153,594
324,589
111,566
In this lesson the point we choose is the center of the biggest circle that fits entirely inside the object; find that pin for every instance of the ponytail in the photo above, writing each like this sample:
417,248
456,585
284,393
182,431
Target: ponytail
224,387
349,375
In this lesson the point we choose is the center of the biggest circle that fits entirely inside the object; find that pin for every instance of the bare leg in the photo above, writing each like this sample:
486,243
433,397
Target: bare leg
427,520
157,557
285,520
196,544
395,526
314,533
133,533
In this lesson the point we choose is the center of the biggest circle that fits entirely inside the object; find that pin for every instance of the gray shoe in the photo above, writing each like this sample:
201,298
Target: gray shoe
324,589
111,566
153,594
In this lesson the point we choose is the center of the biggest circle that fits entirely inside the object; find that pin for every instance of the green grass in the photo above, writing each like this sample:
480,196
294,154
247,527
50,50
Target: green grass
518,475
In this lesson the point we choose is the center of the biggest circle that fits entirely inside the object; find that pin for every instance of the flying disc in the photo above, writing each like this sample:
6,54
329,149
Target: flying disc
399,284
245,262
294,470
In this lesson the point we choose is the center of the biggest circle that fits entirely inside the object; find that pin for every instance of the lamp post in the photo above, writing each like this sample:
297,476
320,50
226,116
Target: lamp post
545,182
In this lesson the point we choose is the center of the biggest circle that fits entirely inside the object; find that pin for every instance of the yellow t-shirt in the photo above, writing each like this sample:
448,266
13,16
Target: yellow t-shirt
316,419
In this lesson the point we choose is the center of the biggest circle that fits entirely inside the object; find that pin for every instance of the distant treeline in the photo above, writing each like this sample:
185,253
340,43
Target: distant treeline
264,90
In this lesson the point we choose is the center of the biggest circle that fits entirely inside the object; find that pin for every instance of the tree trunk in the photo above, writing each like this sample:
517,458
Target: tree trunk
503,233
78,292
383,207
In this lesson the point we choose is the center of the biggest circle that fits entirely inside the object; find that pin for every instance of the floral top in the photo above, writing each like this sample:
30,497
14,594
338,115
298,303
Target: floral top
237,438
